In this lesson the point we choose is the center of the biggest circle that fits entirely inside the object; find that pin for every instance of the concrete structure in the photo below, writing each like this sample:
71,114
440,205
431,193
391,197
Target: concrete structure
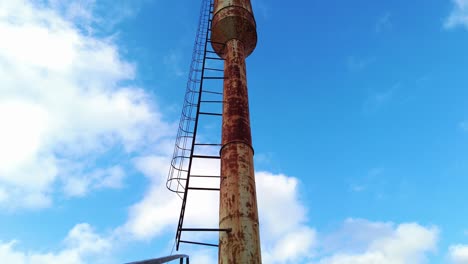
234,38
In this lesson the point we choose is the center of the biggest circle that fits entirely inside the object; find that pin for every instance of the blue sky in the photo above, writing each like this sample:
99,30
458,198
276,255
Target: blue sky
359,124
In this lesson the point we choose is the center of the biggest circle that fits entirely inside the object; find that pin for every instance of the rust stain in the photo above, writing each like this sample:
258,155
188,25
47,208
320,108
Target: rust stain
234,38
233,19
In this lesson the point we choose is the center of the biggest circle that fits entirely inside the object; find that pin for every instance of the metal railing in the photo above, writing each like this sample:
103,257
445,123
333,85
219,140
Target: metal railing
164,260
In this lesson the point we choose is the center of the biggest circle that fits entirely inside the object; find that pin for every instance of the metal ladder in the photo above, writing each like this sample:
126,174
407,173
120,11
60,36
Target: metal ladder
203,98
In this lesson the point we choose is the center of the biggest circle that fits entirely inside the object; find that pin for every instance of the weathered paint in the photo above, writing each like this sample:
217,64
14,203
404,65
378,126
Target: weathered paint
234,38
233,19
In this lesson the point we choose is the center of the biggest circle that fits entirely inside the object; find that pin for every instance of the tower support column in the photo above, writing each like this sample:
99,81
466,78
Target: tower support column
238,202
234,37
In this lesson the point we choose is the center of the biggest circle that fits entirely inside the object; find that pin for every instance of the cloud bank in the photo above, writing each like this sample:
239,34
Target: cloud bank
82,245
64,102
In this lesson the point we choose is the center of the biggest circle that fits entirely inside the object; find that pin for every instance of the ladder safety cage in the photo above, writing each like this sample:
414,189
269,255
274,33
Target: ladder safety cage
206,69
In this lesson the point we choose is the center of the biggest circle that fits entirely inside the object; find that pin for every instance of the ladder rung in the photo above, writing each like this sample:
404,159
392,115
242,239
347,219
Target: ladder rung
198,243
214,58
227,230
211,92
206,157
212,102
213,78
204,176
211,69
203,189
212,114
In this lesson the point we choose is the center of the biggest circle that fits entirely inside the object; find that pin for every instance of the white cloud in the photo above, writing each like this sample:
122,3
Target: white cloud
284,239
80,184
458,16
80,12
82,245
458,254
156,213
159,209
355,235
285,235
358,242
362,242
63,104
297,245
202,256
278,194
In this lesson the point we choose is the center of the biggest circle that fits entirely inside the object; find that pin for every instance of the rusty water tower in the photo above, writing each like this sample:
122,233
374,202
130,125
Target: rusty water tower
226,36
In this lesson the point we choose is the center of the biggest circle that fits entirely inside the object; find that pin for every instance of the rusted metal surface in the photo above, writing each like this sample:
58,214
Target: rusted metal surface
238,202
234,38
236,117
238,207
233,19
